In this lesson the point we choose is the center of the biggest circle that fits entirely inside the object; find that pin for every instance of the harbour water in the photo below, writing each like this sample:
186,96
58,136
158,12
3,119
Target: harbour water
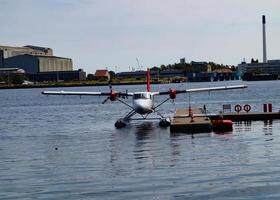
68,148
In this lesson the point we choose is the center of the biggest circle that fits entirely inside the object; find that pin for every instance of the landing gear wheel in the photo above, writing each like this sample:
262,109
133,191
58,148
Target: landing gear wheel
120,124
164,122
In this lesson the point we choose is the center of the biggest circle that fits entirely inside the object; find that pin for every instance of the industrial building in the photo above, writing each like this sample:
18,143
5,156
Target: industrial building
39,63
198,67
57,76
270,67
35,64
267,66
216,75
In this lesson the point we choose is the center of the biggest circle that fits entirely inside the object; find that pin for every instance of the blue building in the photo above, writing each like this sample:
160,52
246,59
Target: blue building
34,63
58,76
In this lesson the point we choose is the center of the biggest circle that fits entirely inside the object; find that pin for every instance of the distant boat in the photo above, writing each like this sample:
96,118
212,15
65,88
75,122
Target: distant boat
259,77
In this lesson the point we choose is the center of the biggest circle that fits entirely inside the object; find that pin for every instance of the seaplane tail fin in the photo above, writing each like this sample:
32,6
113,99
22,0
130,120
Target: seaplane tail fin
148,80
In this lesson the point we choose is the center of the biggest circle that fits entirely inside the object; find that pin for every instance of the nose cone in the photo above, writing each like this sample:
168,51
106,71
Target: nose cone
142,106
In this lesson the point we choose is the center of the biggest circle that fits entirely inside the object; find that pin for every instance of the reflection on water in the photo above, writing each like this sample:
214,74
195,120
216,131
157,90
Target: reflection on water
243,126
144,149
268,130
144,130
267,127
233,160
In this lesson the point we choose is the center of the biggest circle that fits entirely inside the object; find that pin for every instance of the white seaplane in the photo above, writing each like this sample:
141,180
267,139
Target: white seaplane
142,102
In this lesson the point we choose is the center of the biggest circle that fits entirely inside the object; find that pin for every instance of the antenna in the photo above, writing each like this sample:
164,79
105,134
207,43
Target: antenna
148,80
139,67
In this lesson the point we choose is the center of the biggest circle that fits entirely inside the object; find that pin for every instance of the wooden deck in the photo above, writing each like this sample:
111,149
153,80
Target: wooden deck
251,116
182,122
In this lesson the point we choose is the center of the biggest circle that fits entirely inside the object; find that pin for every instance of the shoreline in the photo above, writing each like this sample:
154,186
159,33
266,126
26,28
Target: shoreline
58,85
71,85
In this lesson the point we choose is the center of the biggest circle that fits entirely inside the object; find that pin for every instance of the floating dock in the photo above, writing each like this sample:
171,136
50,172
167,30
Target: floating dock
183,122
200,122
250,116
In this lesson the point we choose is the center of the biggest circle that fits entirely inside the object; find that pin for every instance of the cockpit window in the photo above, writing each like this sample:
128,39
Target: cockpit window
137,96
140,96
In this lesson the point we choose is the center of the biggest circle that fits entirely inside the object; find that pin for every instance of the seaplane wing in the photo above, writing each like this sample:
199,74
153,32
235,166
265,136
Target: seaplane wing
208,89
86,93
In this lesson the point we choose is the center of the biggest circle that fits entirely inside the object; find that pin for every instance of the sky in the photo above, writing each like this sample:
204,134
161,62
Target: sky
113,34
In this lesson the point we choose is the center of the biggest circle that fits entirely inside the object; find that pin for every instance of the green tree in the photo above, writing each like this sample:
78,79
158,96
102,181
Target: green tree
112,74
17,78
2,78
155,68
163,67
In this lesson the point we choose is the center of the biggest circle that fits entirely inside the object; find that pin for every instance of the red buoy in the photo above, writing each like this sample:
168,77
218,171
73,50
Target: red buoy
237,108
247,107
222,125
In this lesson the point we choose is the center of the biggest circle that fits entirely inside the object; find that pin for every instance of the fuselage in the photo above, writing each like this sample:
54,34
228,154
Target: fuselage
143,102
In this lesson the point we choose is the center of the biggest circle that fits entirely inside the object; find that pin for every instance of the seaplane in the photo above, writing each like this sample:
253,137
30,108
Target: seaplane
142,102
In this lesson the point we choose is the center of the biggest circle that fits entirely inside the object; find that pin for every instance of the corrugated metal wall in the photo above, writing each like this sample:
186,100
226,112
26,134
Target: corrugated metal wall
49,64
26,62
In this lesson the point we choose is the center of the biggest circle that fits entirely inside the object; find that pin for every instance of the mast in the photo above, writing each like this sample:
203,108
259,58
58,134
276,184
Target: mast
148,80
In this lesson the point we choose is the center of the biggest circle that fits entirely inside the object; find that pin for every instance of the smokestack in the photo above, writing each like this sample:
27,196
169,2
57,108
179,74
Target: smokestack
264,40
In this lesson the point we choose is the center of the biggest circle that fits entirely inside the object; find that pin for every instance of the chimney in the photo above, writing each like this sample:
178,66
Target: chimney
264,40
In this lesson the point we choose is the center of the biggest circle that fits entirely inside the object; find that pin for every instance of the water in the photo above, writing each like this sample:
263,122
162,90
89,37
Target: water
67,148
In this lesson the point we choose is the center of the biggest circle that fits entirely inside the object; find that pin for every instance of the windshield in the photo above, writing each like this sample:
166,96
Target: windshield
141,96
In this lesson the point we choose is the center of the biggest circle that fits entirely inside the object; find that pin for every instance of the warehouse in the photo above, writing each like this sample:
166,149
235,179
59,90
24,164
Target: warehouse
39,63
75,75
35,64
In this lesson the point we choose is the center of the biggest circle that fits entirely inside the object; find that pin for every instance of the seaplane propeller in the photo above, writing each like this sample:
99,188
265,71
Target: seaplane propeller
113,95
142,102
105,100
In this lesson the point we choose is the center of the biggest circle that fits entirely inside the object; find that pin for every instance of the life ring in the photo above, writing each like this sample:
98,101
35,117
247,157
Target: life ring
237,108
247,107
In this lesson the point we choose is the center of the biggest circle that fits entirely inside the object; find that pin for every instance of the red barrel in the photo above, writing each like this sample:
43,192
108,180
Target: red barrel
264,107
270,107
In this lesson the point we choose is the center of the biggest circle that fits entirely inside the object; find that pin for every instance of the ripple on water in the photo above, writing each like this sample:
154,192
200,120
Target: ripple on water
68,148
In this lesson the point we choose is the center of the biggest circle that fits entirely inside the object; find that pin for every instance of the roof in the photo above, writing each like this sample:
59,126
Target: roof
44,56
223,70
12,47
172,72
12,69
198,63
38,56
132,73
8,68
101,72
37,47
